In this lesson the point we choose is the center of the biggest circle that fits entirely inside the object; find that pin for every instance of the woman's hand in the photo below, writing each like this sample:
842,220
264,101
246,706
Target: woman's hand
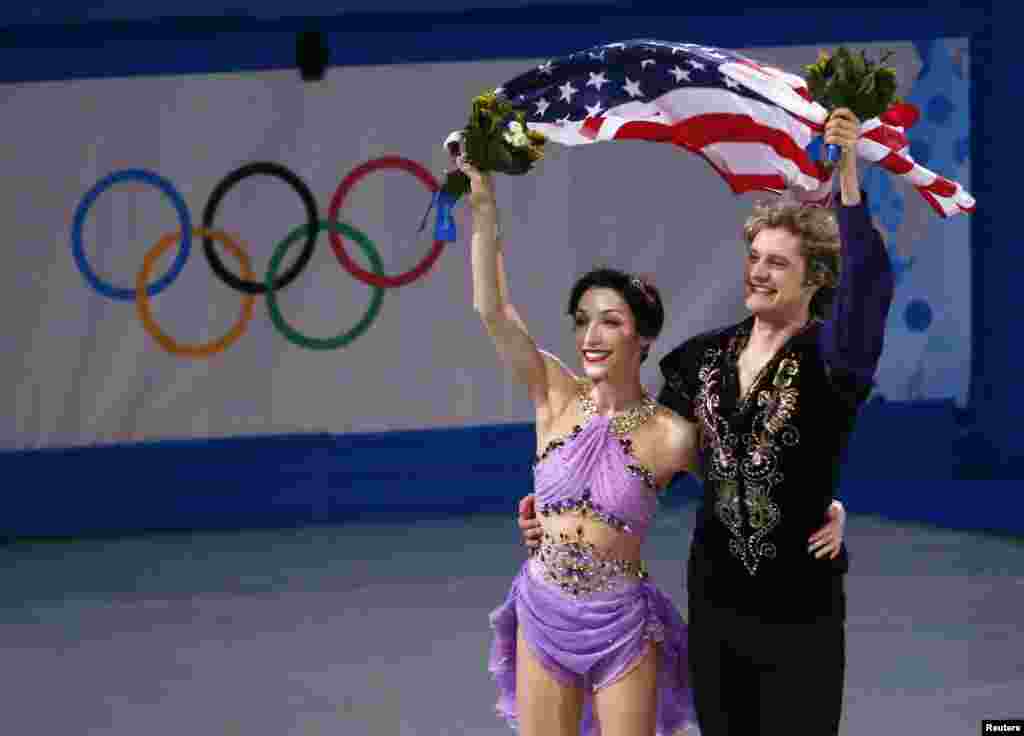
481,193
829,539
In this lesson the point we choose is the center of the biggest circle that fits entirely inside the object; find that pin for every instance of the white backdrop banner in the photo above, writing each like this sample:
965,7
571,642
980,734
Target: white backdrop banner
81,368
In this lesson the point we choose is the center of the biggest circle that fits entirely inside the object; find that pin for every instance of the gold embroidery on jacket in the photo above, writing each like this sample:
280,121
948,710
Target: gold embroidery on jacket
754,463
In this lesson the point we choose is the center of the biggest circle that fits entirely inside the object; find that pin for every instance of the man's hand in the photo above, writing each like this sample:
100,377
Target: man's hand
843,130
829,539
529,525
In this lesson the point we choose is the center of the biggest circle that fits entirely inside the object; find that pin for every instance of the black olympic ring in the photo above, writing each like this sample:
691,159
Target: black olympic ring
267,168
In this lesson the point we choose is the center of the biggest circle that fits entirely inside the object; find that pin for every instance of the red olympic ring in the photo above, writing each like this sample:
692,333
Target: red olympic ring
381,281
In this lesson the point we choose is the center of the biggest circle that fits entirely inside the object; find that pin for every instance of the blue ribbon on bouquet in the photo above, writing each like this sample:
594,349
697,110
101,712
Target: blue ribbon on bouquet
444,222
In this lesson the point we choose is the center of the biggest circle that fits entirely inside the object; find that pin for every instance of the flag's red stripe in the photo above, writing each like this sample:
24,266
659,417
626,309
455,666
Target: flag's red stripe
896,163
590,127
943,187
903,114
888,137
930,199
703,130
743,183
816,127
754,65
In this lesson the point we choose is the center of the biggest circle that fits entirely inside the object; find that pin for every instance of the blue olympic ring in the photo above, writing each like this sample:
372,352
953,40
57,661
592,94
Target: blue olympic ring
78,248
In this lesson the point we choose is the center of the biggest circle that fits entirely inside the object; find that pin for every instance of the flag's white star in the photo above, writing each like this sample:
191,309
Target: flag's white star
680,74
545,68
597,80
695,64
633,88
599,55
731,83
645,62
542,106
615,46
563,121
594,110
567,91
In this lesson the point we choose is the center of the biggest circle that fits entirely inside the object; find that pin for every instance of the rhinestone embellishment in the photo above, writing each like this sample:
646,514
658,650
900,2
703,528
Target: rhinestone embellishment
578,568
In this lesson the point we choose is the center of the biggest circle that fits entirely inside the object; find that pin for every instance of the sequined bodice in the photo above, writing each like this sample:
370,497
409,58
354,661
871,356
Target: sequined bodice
593,471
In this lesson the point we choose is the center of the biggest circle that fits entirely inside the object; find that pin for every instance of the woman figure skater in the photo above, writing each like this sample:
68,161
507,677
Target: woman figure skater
585,642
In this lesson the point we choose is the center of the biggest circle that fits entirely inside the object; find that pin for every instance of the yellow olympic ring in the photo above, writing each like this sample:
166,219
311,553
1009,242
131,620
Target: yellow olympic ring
142,305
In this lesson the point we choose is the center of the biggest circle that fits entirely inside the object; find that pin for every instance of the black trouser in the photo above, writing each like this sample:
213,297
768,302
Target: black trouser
764,678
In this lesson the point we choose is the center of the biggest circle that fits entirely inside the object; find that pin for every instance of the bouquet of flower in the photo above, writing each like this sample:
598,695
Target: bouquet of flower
496,138
851,80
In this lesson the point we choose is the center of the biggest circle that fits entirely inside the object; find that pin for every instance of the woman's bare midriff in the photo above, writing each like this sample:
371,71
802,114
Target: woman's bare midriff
571,526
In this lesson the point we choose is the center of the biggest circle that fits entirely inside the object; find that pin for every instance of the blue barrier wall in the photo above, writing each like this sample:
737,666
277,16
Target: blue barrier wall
311,479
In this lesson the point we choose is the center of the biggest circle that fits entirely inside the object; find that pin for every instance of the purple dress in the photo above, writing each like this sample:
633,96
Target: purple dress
587,618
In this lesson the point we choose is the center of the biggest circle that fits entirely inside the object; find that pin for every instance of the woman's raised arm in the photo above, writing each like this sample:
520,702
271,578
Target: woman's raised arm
549,384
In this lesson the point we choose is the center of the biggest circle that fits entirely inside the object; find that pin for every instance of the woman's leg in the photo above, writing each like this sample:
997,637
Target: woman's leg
545,706
629,705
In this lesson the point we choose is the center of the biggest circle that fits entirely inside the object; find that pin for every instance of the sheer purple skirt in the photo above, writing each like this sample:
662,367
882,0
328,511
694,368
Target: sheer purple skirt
590,641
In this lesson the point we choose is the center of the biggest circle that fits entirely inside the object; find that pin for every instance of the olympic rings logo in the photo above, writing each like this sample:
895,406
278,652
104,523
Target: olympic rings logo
246,284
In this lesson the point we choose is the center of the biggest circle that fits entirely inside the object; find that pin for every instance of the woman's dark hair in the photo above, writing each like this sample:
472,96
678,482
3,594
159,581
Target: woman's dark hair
639,293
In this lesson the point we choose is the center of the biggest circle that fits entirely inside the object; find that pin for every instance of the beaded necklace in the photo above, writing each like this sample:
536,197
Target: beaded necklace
624,422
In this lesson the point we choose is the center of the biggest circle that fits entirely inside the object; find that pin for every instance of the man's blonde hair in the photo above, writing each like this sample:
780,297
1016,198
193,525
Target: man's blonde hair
818,231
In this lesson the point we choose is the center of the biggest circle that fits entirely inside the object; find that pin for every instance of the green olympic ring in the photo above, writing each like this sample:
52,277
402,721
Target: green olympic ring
329,343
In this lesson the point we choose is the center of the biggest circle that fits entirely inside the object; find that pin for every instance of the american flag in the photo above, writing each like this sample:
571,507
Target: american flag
751,122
